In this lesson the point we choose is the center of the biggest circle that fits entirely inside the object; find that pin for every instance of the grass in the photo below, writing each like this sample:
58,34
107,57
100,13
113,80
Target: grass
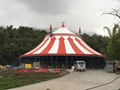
13,78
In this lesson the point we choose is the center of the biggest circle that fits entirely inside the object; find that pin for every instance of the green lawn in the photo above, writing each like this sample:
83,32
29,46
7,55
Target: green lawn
12,79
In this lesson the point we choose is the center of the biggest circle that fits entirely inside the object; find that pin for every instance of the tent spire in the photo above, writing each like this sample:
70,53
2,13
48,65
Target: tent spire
63,25
79,31
50,30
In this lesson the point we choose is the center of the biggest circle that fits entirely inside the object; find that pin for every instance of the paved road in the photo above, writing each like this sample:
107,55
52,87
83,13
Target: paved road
78,81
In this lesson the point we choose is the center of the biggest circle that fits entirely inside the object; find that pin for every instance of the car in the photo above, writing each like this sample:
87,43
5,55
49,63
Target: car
79,65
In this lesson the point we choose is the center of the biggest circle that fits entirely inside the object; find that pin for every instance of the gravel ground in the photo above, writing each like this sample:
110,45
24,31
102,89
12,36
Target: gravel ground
78,81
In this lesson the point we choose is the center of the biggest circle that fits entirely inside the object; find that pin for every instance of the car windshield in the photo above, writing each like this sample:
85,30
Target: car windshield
81,63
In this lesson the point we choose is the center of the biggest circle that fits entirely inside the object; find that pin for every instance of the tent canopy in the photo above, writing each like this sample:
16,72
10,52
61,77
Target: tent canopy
63,42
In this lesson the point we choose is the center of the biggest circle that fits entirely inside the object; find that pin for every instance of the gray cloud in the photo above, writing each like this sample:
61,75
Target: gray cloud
40,13
48,6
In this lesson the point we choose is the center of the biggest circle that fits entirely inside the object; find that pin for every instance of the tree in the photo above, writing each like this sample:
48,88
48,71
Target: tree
113,47
113,31
16,41
97,42
115,12
114,41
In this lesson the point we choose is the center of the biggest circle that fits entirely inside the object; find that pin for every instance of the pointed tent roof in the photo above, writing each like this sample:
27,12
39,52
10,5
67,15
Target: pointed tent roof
62,43
62,31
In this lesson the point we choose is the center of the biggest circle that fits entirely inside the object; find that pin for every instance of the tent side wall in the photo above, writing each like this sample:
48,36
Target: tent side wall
64,61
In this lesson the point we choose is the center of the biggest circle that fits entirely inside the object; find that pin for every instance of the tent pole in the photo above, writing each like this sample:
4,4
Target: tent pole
52,61
67,62
55,61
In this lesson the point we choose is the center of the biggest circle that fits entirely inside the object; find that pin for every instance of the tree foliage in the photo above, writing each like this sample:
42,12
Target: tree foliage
97,42
16,41
113,47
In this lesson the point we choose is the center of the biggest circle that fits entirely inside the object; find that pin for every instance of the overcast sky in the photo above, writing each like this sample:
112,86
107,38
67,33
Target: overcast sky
88,14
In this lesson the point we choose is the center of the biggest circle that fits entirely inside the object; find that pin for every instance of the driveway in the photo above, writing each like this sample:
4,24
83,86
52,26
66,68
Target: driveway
78,81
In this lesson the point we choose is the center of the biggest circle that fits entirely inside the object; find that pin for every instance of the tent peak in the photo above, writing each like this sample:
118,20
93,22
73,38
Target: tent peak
63,25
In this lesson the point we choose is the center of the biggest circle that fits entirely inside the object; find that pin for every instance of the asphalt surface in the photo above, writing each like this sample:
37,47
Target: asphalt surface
88,80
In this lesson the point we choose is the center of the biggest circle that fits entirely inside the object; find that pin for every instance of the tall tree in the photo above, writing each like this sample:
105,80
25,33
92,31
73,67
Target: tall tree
113,31
114,40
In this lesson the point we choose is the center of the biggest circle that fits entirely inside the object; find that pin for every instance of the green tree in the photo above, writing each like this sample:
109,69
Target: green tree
16,41
97,42
113,50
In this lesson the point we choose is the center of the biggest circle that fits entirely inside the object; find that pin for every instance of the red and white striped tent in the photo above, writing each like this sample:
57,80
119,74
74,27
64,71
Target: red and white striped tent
63,42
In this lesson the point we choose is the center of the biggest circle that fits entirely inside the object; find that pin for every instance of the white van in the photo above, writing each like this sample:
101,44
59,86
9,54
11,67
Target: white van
79,66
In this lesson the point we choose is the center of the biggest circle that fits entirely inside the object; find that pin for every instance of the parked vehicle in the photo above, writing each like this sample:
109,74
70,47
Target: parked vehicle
79,66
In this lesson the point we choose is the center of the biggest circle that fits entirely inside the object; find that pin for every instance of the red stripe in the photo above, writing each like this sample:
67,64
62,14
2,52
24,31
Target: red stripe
61,48
45,51
76,49
37,48
84,46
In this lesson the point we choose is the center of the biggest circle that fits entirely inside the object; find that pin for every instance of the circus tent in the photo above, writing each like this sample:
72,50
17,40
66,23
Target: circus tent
61,48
